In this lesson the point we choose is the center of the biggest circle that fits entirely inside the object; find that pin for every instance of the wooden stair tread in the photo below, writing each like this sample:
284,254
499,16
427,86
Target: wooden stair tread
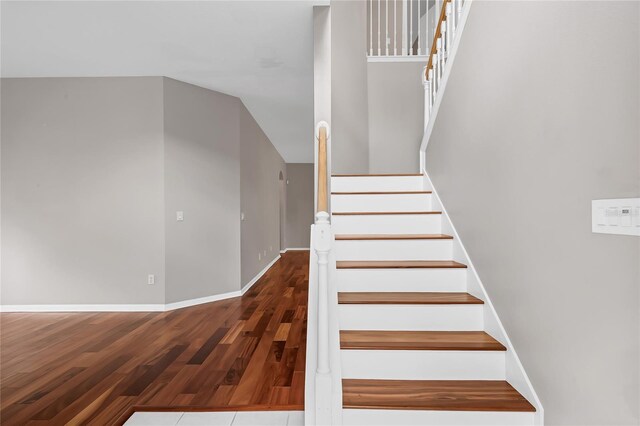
393,237
407,298
377,175
386,264
382,213
449,395
419,340
382,193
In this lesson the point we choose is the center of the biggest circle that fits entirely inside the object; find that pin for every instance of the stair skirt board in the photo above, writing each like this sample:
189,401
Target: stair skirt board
377,183
422,365
435,249
392,202
411,317
353,280
356,417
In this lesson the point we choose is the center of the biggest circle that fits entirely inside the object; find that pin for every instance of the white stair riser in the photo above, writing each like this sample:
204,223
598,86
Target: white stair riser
423,365
387,224
381,203
399,280
377,183
411,317
394,249
351,417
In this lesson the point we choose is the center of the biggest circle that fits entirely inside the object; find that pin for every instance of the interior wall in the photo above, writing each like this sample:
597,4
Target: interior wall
260,167
529,132
349,126
396,116
94,171
202,180
82,190
300,215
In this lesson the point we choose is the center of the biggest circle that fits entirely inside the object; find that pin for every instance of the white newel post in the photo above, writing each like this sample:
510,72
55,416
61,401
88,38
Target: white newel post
322,239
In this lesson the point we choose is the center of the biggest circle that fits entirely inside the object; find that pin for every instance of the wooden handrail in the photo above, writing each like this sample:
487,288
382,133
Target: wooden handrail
436,36
322,170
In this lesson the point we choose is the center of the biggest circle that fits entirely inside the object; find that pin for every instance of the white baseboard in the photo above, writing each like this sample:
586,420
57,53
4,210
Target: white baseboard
139,307
85,308
255,279
200,300
294,249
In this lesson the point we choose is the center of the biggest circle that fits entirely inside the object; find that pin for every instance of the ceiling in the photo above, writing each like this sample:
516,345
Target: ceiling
260,51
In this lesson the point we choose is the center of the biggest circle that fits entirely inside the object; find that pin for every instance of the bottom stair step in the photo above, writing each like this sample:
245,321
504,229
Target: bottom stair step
444,395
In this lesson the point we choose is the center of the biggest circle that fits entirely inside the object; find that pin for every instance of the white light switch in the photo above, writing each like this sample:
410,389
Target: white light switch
616,216
179,216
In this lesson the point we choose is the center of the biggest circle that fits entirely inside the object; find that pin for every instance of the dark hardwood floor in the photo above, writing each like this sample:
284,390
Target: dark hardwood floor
92,368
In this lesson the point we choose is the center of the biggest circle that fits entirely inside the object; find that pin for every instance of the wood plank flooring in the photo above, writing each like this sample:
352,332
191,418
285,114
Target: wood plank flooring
419,340
386,264
90,368
458,395
407,298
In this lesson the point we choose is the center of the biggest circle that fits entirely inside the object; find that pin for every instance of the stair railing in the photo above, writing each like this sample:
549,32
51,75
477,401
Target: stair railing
451,21
323,389
400,28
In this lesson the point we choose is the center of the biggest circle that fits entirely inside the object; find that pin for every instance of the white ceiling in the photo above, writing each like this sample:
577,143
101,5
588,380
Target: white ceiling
260,51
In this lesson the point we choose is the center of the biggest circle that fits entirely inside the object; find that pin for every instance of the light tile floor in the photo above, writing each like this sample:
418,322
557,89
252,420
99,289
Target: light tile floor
217,418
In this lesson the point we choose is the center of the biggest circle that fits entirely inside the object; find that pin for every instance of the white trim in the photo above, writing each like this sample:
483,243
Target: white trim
255,279
294,249
398,58
140,307
84,308
200,300
518,379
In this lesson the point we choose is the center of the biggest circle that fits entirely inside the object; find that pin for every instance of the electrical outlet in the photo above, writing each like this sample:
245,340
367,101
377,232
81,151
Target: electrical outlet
151,279
179,216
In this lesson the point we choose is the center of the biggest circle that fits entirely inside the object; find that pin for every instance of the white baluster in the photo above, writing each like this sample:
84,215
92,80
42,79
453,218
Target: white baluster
453,14
443,36
386,31
410,27
427,97
379,48
426,30
404,27
395,28
449,27
439,55
459,10
419,38
434,65
370,27
431,86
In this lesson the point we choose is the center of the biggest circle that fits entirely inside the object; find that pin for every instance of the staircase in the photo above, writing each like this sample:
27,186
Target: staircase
413,345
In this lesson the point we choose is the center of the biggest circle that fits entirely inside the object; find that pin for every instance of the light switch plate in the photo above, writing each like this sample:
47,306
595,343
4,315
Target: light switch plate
619,216
179,216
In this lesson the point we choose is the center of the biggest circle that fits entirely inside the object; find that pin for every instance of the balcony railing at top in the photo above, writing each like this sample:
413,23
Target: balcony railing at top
402,28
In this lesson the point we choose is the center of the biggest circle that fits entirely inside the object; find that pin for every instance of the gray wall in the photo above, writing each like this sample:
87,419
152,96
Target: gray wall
299,204
349,128
202,179
93,173
396,116
531,130
260,167
82,189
